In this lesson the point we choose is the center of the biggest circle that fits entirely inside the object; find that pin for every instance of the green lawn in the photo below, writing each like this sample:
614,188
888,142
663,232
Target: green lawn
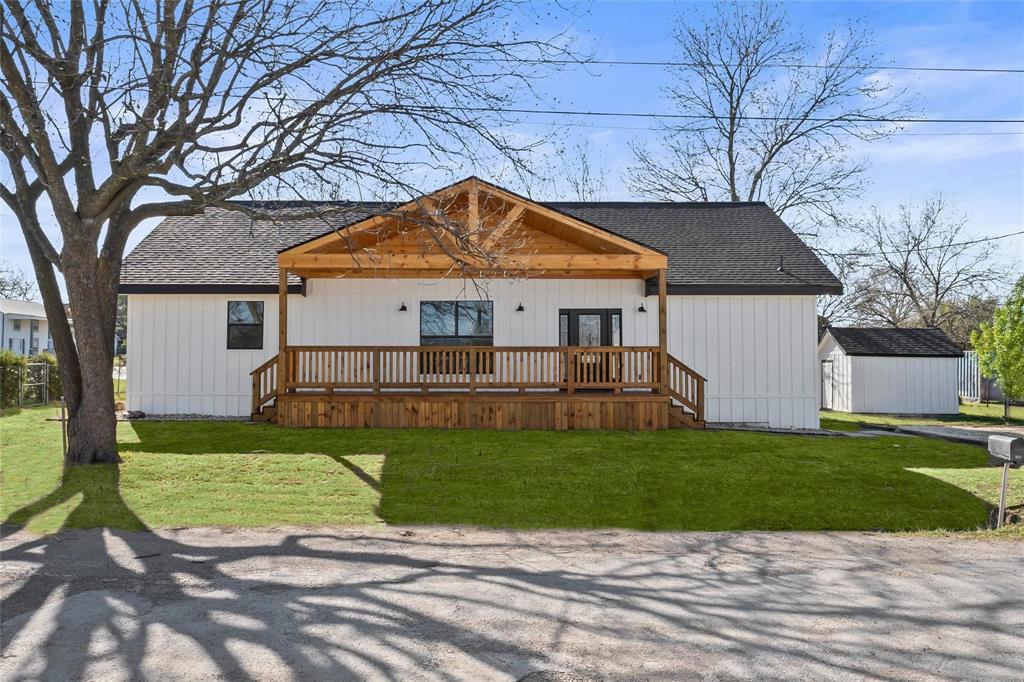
971,414
238,474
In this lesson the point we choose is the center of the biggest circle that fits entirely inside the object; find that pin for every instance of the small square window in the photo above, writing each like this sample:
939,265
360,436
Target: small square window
245,325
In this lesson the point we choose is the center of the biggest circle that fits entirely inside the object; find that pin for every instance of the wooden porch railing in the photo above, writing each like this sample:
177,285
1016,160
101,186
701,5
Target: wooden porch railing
472,368
264,384
427,368
686,386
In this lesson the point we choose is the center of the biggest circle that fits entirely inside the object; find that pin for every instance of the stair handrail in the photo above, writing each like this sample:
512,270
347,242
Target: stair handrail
680,393
263,390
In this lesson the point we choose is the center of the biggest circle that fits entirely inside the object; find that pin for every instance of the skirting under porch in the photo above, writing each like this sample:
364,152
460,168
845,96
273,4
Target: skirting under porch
505,412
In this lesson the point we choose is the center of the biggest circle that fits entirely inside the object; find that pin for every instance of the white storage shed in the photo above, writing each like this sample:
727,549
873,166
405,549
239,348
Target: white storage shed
893,371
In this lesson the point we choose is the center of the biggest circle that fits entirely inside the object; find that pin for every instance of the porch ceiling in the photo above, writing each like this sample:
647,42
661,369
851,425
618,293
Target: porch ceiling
472,228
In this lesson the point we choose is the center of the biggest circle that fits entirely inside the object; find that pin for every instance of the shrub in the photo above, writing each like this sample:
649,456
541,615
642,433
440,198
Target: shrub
12,371
53,385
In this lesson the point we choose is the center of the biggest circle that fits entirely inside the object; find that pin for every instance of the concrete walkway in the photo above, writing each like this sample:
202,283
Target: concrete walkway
430,604
971,435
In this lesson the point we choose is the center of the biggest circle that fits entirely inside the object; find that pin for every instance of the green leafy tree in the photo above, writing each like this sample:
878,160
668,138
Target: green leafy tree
1000,346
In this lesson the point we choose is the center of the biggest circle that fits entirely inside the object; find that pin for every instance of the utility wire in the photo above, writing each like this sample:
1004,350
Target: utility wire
598,126
779,65
642,114
928,248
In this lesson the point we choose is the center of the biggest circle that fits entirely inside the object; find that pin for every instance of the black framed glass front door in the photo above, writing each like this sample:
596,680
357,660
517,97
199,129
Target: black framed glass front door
590,327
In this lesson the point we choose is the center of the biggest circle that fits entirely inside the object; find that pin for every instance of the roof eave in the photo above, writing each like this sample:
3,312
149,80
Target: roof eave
750,289
206,289
902,355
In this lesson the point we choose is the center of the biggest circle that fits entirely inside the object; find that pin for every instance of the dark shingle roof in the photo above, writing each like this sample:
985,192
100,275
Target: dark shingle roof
716,248
930,342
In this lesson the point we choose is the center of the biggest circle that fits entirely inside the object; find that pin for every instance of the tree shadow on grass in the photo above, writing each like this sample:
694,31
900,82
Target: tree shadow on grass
713,481
91,498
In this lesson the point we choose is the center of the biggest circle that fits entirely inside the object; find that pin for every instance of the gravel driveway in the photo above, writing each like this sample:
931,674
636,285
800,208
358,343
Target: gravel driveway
480,605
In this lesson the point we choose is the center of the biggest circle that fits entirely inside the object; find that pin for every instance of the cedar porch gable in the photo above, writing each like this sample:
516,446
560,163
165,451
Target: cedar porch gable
472,228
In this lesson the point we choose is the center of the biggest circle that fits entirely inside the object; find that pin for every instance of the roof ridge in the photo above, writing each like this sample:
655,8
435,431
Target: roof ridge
286,203
666,204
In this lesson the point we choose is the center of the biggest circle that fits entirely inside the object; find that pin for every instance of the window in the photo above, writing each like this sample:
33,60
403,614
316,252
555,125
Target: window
35,326
17,325
456,323
245,325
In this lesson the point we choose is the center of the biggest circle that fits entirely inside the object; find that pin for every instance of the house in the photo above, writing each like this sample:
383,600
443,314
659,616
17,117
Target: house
884,370
561,314
23,327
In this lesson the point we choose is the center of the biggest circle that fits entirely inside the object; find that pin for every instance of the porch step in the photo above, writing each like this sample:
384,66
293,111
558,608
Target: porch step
681,419
266,414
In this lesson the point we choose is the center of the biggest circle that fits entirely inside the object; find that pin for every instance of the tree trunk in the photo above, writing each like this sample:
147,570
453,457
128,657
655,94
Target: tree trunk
92,294
1006,409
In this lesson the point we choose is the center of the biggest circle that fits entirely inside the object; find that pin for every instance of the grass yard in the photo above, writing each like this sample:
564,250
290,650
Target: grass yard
971,414
238,474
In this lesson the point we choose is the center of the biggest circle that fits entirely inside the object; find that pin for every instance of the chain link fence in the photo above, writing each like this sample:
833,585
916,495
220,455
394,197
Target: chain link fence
25,385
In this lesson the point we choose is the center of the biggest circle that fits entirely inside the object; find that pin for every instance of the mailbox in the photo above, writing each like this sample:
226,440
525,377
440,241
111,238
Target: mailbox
1007,452
1003,450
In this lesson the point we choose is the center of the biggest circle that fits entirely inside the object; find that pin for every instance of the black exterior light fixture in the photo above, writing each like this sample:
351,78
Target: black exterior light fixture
402,307
520,307
642,308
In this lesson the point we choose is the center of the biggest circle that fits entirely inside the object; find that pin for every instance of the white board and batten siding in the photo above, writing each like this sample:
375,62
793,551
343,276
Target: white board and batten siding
758,352
840,389
178,360
904,385
877,384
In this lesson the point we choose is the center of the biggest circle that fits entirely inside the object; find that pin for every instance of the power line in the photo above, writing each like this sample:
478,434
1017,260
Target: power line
712,117
598,126
780,65
929,248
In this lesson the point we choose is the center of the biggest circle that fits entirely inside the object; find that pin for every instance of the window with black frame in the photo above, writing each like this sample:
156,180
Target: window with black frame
455,323
245,325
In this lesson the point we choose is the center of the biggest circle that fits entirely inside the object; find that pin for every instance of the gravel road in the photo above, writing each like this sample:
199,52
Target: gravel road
436,603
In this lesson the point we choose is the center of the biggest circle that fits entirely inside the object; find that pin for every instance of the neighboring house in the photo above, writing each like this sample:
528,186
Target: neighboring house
24,329
587,315
885,370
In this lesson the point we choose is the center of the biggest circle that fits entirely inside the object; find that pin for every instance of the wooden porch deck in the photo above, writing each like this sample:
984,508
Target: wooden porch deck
511,388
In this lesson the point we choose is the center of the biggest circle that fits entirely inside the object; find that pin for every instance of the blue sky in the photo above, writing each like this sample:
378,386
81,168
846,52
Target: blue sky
982,175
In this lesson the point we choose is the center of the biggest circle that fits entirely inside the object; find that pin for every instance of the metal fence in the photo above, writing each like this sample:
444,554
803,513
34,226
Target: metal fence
974,386
31,384
969,377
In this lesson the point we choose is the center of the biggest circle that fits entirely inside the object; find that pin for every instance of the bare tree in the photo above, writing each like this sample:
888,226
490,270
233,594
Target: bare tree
771,118
841,309
580,172
924,268
113,113
15,284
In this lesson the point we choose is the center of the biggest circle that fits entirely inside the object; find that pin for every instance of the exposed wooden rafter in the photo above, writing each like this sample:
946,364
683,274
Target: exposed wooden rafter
585,250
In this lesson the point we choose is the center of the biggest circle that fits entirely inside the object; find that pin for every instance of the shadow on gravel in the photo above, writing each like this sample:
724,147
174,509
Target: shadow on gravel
375,618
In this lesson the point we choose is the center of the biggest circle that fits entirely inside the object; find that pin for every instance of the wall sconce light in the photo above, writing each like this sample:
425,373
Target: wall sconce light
520,307
642,308
402,307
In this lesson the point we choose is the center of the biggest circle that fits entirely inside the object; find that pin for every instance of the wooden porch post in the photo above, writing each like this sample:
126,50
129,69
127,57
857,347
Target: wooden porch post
283,374
662,332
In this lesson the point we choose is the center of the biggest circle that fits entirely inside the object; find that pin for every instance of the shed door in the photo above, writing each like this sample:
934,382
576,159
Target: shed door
826,384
